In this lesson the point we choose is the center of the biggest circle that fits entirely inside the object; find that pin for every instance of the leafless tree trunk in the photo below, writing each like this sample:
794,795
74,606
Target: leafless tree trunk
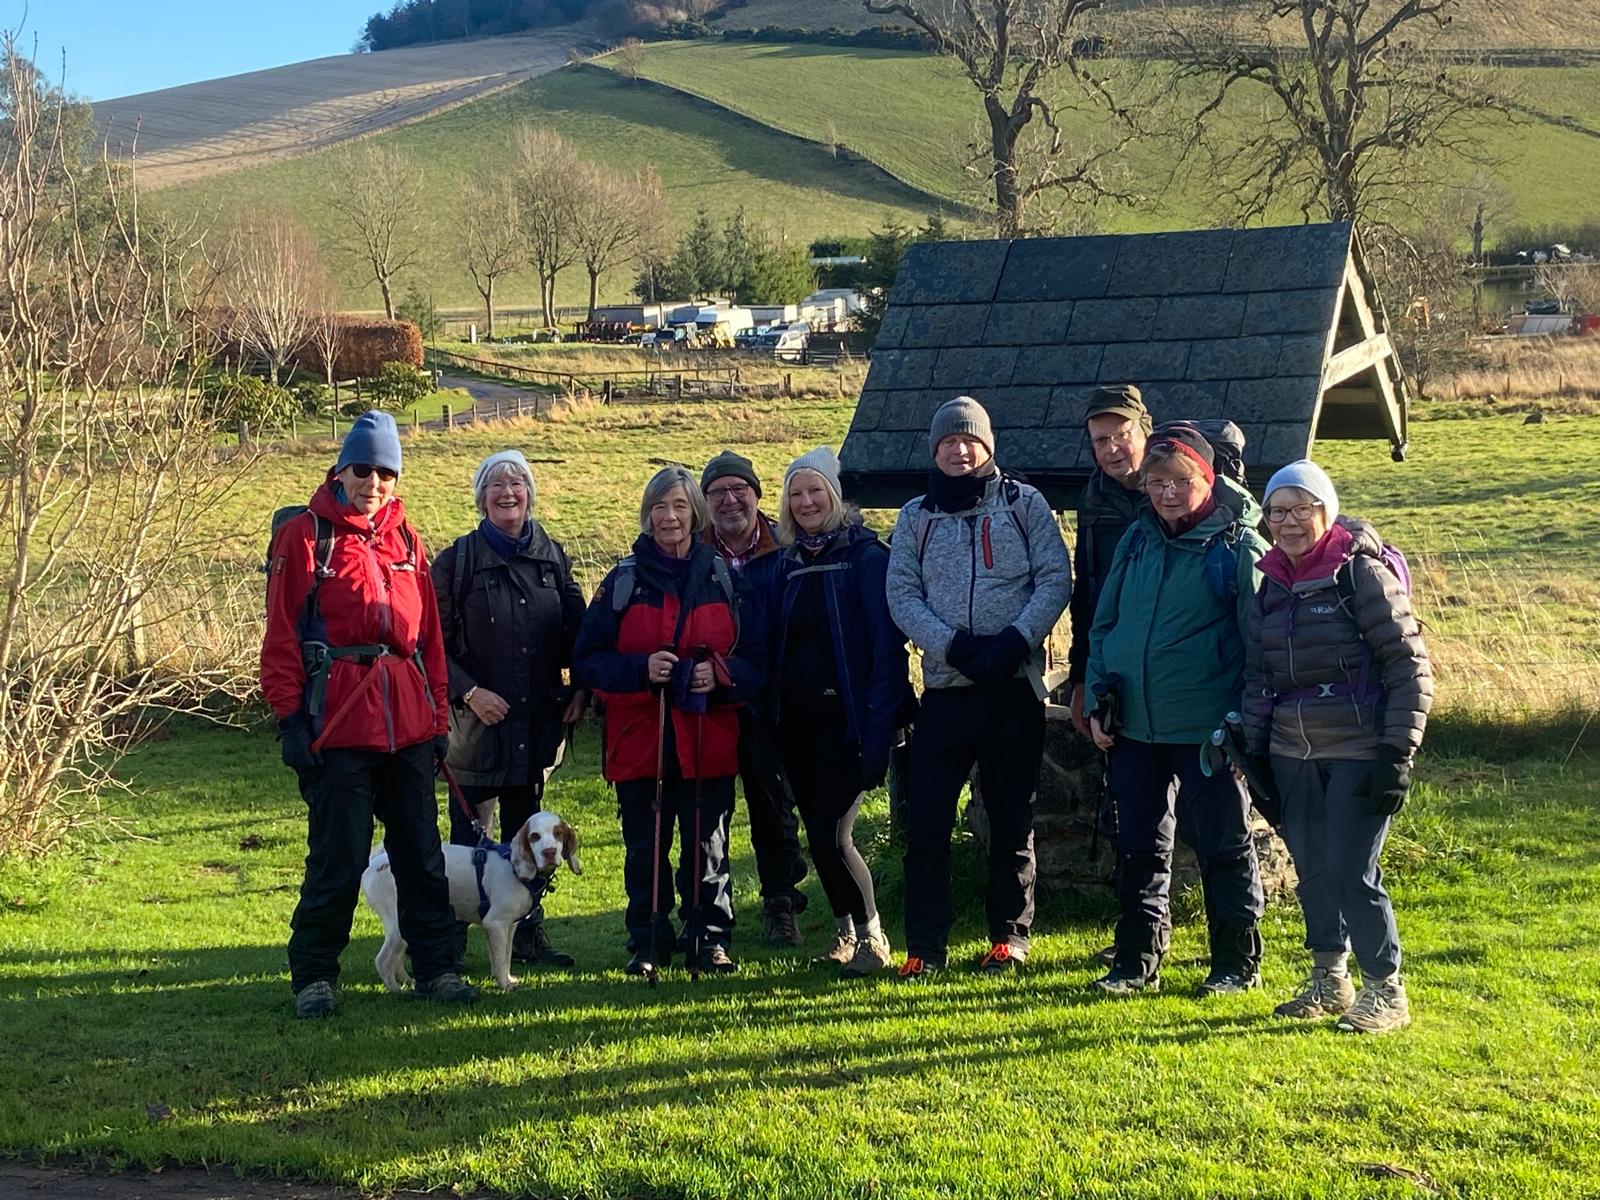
377,194
630,55
617,220
276,287
325,334
1358,112
491,242
1575,285
548,177
110,603
1016,53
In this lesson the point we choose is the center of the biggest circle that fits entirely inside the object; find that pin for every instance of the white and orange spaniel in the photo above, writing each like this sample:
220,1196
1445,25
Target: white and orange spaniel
543,843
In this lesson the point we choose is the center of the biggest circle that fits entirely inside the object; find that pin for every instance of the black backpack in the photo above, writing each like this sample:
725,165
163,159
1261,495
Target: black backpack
1227,444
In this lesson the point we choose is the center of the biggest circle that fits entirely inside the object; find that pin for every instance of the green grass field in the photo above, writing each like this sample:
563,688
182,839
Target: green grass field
145,966
707,158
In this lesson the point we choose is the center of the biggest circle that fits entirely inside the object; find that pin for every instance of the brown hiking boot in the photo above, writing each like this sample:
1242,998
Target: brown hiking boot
780,924
1323,995
1380,1007
872,954
841,950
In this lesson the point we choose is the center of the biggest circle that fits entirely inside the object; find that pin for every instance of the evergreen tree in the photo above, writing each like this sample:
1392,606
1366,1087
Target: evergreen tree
739,252
782,273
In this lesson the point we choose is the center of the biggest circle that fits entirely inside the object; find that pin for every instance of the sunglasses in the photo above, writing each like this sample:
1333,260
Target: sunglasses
362,470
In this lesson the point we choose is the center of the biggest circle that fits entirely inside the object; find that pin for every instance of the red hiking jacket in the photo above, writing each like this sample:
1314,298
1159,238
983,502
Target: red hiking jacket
612,650
380,593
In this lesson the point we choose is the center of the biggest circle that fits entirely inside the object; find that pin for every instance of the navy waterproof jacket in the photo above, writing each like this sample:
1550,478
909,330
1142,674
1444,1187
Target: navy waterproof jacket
869,651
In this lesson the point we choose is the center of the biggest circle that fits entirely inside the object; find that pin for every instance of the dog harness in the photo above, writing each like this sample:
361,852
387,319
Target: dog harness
480,856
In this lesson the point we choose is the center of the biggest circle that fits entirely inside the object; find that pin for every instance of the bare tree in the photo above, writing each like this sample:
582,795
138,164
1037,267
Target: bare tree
275,287
491,242
1356,107
547,177
378,195
619,219
1024,58
325,332
109,606
1576,286
630,55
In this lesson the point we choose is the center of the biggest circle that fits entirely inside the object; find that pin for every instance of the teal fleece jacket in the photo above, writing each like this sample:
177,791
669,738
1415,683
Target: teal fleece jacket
1175,644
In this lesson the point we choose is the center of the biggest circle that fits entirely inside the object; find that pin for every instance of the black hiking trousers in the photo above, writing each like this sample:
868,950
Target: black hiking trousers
999,727
774,827
343,796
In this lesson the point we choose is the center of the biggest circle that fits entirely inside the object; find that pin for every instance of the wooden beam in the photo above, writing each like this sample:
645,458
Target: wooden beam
1353,360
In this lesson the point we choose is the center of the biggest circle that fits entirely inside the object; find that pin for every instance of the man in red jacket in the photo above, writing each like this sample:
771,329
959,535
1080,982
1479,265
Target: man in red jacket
353,666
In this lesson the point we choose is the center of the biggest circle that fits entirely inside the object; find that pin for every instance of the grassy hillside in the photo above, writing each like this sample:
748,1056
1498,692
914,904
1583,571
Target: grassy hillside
707,158
914,115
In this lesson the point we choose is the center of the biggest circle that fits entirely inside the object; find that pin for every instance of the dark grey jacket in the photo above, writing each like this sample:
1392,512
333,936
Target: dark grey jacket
1348,623
508,626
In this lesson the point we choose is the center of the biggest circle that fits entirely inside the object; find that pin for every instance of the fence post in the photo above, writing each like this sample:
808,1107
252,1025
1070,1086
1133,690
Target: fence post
135,636
333,424
519,405
788,384
449,418
244,433
605,394
677,386
294,430
416,420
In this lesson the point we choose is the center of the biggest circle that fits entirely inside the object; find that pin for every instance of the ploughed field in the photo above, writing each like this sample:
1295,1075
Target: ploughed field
142,980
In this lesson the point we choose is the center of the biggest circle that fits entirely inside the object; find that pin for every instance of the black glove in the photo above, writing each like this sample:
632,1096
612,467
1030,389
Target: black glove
1264,792
1390,781
963,651
441,747
1000,656
874,768
295,734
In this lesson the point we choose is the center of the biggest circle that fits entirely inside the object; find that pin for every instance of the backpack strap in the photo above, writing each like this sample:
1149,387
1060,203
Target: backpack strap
1222,563
321,568
622,581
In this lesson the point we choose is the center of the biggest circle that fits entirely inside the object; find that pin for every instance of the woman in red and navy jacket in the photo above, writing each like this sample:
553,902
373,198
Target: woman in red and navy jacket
668,633
353,666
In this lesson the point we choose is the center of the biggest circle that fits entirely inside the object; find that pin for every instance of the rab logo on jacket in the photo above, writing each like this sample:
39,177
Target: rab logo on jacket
1322,610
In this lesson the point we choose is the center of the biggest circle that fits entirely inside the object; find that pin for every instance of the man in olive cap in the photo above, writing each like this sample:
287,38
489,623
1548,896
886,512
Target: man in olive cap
742,533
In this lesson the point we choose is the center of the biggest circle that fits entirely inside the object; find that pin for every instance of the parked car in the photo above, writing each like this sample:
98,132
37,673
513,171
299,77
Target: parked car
792,342
665,339
747,339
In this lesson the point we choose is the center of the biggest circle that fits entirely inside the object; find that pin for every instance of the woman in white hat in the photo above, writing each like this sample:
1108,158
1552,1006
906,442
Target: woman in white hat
510,612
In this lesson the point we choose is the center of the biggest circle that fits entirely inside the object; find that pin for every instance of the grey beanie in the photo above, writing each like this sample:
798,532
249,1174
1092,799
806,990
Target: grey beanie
1308,477
480,477
824,462
373,440
728,463
961,415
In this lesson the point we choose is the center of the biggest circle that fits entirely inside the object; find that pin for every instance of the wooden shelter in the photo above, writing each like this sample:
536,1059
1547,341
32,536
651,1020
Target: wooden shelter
1277,329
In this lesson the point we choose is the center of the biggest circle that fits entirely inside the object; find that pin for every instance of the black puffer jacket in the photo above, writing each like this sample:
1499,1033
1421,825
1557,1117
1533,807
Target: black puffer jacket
509,626
1335,662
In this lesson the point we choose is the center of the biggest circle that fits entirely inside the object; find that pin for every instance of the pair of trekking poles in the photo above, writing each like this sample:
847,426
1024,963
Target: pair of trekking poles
651,975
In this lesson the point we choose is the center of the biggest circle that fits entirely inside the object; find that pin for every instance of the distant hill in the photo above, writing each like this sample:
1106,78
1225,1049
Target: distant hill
221,125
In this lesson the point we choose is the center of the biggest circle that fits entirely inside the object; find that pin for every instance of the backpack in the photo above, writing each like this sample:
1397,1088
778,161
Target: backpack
1221,558
1015,505
323,556
623,581
1391,558
1226,440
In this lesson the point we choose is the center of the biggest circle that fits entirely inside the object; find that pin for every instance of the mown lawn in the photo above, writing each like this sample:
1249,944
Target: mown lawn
142,972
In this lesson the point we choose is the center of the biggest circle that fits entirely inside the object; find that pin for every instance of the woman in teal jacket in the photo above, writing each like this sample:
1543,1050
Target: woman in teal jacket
1166,665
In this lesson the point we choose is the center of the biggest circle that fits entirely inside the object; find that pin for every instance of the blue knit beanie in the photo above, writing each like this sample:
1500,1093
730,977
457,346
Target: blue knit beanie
1309,478
373,439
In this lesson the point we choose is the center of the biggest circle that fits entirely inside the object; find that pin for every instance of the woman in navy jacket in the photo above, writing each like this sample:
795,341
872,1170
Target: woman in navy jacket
838,686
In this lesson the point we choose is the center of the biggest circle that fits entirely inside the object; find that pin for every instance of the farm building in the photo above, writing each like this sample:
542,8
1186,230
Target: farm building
1276,329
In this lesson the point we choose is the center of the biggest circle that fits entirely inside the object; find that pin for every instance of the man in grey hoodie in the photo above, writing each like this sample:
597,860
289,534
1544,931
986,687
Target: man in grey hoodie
978,575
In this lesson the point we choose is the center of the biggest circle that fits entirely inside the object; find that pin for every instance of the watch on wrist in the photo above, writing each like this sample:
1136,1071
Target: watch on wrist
466,696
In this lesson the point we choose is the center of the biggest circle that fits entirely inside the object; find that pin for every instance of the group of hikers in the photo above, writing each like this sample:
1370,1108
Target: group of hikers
1212,669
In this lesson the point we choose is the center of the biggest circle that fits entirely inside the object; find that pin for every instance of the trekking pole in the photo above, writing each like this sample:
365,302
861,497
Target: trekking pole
696,911
650,973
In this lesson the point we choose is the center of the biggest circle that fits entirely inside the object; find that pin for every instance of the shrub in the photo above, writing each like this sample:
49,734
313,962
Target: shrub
311,396
398,386
232,397
365,344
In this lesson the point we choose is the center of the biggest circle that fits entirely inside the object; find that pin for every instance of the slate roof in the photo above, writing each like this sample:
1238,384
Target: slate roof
1210,323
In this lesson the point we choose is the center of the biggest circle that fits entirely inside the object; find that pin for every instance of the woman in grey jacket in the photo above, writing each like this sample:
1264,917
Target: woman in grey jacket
978,575
510,613
1337,692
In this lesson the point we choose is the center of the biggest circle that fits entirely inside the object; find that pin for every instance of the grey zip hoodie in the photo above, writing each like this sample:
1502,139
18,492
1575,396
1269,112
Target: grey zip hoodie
995,565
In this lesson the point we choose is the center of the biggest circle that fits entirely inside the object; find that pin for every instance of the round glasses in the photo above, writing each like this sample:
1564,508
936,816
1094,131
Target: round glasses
1277,515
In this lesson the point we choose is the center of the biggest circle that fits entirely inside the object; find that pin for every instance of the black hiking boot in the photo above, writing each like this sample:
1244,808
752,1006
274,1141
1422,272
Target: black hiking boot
531,944
314,1000
447,989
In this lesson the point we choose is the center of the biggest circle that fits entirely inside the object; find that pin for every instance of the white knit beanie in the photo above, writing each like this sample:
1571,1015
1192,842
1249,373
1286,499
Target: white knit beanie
480,477
1310,478
824,462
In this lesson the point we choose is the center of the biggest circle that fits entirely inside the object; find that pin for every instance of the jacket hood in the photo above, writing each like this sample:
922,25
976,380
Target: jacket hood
346,520
1345,539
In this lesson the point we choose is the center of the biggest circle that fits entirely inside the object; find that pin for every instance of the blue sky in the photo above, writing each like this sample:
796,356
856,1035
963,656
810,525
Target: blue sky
120,47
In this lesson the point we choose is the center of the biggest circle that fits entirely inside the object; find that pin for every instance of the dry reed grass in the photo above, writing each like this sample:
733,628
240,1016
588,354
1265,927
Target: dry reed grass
1525,373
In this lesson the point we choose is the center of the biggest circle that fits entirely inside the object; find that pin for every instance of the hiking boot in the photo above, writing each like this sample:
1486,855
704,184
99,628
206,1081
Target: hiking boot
779,923
531,944
1380,1007
642,964
841,950
1323,995
715,961
1115,983
1002,957
916,967
1106,957
872,955
1230,983
314,1000
447,989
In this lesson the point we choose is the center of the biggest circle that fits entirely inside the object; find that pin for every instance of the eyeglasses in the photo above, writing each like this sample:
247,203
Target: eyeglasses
734,491
1277,515
1176,486
1107,440
362,470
